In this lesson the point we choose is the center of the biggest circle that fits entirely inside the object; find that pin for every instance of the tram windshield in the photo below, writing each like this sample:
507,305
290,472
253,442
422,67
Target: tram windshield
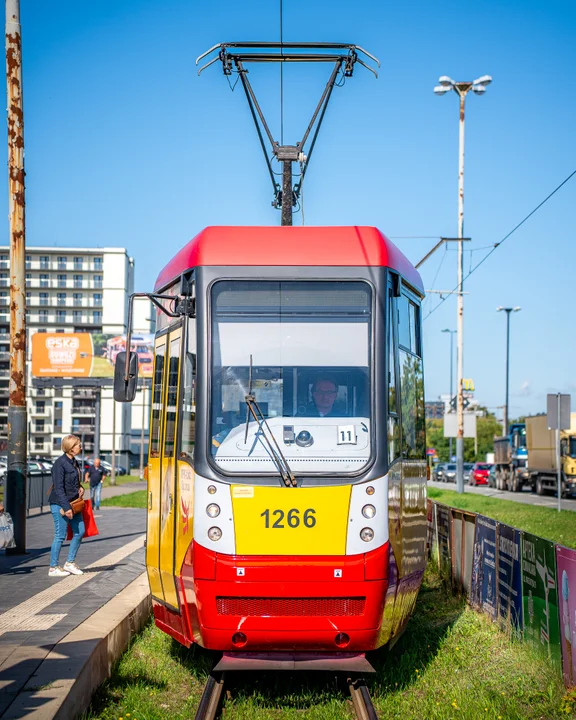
302,351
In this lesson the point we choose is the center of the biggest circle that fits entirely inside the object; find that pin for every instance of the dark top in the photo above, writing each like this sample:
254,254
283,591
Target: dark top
95,474
312,411
66,482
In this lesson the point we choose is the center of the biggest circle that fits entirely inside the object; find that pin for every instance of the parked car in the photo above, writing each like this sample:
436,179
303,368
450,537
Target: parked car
480,473
449,473
438,472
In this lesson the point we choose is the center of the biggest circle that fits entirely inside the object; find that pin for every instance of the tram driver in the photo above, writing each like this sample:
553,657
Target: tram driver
323,403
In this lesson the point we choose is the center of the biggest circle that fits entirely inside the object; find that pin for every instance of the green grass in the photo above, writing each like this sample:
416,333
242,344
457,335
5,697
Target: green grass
121,480
101,367
138,499
560,527
451,663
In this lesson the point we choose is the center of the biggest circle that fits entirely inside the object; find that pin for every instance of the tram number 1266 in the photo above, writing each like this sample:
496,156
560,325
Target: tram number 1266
292,518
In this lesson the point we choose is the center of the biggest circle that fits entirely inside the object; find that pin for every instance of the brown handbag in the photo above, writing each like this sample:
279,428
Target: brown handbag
78,505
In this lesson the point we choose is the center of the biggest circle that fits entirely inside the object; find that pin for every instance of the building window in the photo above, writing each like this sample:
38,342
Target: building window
41,391
58,425
60,330
78,281
28,278
77,315
61,298
56,442
28,262
4,280
61,317
97,298
97,281
44,262
39,425
43,317
4,261
78,263
62,263
43,298
97,263
62,281
40,406
77,298
44,281
97,316
39,443
58,405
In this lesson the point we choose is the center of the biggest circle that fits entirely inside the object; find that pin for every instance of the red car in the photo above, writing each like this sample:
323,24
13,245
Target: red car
480,473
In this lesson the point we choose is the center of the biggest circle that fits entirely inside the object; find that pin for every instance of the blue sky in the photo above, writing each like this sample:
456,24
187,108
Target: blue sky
125,145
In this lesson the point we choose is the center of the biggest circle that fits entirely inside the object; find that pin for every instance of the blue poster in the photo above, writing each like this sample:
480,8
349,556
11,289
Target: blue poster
509,576
484,591
443,521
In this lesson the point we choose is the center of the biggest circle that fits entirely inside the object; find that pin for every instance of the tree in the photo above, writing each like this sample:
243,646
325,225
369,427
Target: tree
487,428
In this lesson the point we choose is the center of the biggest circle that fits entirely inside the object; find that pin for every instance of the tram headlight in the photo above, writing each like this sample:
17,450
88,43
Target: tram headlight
369,511
367,534
214,534
213,510
370,490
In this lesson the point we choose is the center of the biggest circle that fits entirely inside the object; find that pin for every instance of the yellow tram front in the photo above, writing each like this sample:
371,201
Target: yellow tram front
286,474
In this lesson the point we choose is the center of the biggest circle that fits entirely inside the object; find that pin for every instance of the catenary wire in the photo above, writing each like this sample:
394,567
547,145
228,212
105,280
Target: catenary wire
498,244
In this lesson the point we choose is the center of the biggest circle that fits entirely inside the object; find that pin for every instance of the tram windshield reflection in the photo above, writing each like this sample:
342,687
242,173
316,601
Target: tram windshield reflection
302,351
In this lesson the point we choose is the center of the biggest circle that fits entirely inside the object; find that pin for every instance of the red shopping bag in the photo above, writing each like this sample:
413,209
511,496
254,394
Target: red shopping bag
90,527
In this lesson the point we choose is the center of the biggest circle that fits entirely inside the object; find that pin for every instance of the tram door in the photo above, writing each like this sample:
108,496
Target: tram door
169,466
154,480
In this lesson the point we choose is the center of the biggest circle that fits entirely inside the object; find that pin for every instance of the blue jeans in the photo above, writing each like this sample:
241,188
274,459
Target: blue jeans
95,493
60,528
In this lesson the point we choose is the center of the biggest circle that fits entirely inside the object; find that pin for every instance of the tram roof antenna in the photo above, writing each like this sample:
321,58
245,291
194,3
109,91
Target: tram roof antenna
234,56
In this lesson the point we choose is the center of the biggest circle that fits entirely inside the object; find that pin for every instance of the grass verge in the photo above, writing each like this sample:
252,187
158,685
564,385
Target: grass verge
560,527
138,499
451,663
121,480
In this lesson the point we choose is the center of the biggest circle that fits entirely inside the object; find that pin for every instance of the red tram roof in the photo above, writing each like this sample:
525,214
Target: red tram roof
352,246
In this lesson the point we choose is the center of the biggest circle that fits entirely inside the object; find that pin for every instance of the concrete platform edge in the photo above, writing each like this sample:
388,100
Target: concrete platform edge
63,685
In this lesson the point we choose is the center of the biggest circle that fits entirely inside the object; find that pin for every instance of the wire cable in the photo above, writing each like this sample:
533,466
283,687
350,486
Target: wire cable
498,244
281,82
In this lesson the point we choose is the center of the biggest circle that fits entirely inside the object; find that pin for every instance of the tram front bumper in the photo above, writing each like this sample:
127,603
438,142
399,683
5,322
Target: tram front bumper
286,603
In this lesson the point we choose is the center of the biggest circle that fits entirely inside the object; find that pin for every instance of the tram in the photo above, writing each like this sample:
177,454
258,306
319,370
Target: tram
287,468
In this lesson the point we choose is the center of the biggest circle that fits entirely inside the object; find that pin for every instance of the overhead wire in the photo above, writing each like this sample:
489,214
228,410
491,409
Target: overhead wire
495,246
281,81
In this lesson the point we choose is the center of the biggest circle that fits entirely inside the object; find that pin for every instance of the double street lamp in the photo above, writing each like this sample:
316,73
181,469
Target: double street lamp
462,89
507,310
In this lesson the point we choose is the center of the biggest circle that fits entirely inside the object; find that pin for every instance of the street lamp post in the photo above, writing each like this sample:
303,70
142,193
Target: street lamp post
446,330
477,86
507,310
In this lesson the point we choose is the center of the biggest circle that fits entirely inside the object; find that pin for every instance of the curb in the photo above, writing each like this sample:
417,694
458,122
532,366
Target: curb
63,685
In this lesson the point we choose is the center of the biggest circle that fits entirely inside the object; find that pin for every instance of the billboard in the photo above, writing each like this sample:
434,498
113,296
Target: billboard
509,576
484,591
566,564
83,355
540,596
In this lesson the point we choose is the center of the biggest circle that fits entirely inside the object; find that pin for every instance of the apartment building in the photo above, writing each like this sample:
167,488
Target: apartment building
71,290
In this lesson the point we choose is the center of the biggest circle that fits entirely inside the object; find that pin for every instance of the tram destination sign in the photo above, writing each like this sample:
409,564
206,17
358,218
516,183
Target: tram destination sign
82,355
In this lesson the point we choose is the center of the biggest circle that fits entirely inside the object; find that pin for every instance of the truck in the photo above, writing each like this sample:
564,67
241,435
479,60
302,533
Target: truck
510,458
541,446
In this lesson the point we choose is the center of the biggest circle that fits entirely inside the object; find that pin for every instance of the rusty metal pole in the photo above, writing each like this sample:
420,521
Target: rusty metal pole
17,421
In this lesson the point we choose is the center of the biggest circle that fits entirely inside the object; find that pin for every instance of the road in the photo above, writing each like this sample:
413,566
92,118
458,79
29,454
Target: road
526,496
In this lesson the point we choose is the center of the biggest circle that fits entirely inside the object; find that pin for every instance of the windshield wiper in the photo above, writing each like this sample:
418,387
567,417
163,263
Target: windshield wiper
252,408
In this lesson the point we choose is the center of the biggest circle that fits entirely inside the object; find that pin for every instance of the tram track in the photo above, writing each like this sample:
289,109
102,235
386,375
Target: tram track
212,698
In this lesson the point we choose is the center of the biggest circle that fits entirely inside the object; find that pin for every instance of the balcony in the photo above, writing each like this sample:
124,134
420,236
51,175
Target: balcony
83,428
4,373
83,410
84,393
68,284
46,428
42,413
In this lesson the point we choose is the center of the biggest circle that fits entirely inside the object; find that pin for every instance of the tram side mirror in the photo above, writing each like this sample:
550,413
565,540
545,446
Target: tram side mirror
125,391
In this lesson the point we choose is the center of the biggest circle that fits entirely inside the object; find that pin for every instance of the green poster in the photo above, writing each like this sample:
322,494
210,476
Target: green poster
540,596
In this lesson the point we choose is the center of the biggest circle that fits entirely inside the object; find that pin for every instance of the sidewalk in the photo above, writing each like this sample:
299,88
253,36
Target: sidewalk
527,497
36,611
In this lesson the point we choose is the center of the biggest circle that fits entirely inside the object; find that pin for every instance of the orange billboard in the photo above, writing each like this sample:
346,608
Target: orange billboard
83,355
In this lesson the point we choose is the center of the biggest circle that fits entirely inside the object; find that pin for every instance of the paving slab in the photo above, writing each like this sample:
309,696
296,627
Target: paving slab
37,612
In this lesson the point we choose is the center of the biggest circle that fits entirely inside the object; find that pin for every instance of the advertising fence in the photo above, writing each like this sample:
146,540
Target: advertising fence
525,582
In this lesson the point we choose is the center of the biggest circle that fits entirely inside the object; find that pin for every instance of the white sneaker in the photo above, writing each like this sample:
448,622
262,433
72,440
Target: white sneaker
57,572
71,567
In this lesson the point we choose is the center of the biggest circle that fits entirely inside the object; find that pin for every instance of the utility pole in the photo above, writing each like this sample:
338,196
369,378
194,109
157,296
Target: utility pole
507,310
478,86
17,419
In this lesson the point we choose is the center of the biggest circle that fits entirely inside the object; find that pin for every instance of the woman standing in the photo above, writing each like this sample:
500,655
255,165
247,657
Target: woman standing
66,486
